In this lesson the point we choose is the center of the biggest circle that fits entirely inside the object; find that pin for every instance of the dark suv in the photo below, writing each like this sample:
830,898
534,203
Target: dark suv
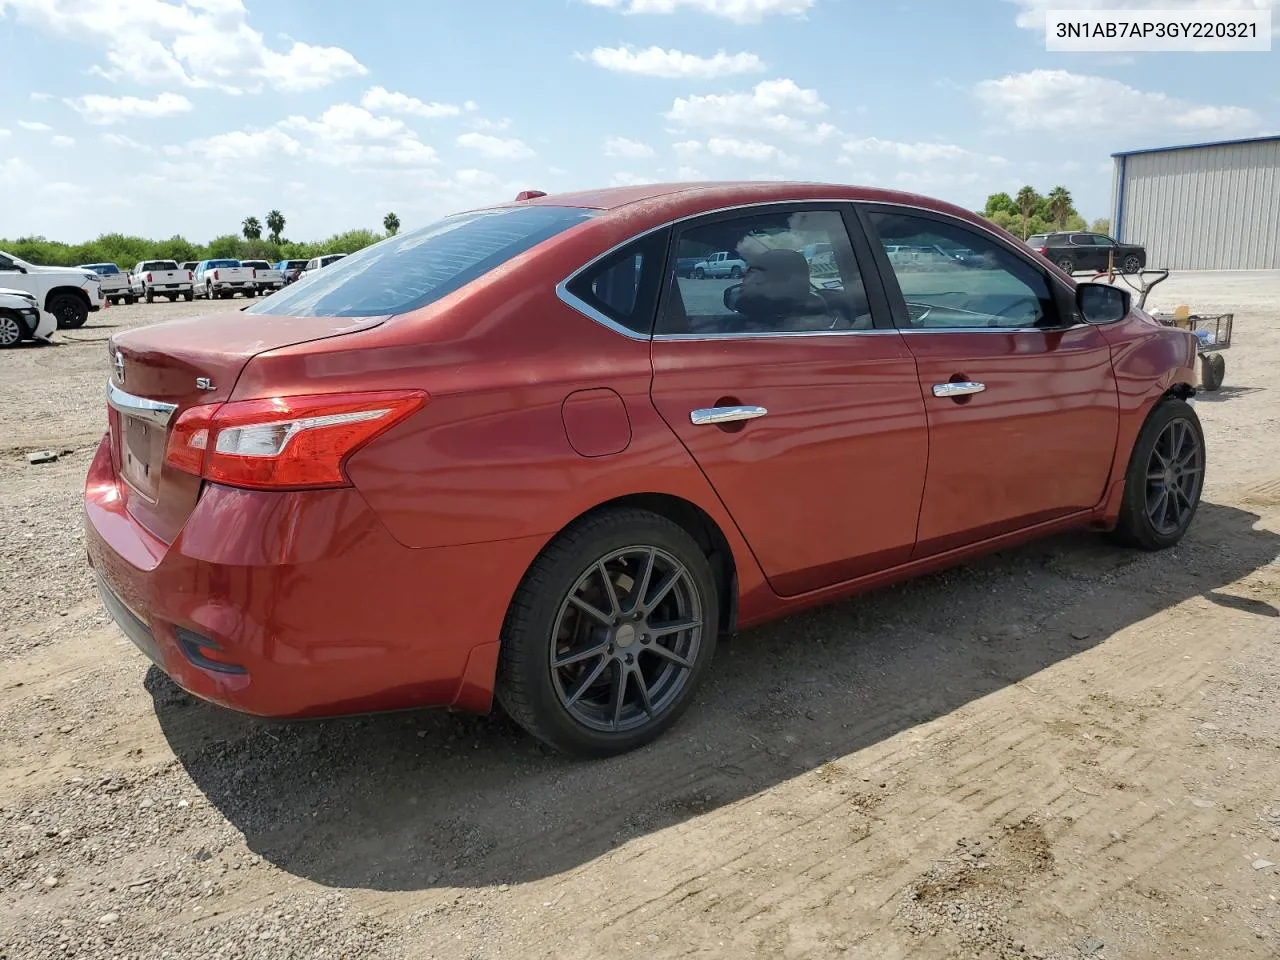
1088,251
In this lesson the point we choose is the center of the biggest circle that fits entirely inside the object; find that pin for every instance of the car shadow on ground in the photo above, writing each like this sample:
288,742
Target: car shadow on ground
1225,393
415,800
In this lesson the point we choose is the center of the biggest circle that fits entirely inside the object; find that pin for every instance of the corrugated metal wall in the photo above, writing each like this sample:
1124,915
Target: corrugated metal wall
1204,208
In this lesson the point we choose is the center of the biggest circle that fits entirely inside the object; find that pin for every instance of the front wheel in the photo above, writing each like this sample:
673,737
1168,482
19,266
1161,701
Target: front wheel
609,635
70,310
12,330
1165,478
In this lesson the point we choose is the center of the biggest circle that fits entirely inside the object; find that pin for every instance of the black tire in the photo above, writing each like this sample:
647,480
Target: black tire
189,296
131,300
1213,368
735,273
1136,527
533,691
1067,265
173,298
1132,263
12,330
150,295
70,310
699,273
208,293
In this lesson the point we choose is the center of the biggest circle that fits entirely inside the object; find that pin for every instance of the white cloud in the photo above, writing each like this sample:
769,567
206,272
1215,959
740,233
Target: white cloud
61,141
689,173
120,140
239,146
775,106
622,147
747,150
347,122
35,126
920,152
739,11
491,126
347,135
41,97
1031,15
101,110
196,43
496,148
1066,102
687,148
380,98
4,132
625,179
671,64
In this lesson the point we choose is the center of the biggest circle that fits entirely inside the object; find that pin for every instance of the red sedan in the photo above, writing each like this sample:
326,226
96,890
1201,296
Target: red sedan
518,453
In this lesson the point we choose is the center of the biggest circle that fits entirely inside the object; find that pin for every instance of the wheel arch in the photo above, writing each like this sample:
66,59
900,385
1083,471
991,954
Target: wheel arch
56,292
698,524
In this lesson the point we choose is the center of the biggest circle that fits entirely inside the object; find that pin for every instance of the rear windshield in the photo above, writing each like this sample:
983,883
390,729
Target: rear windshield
1037,241
294,264
102,269
159,265
213,264
411,270
256,264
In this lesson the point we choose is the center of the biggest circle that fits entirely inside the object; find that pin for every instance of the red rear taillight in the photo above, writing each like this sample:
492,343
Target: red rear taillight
190,275
284,442
1043,251
148,278
255,273
215,274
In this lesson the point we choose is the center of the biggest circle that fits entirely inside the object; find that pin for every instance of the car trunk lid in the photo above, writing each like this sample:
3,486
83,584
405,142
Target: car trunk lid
159,372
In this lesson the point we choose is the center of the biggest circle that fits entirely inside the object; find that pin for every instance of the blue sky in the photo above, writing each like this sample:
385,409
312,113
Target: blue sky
160,116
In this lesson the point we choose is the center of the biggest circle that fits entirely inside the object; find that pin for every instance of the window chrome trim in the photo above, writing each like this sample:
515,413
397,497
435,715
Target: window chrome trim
153,411
591,313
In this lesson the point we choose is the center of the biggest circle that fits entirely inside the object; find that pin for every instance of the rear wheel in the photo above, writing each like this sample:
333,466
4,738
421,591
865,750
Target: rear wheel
1066,265
150,295
1132,263
699,273
1164,480
70,310
12,329
173,298
609,635
735,273
189,296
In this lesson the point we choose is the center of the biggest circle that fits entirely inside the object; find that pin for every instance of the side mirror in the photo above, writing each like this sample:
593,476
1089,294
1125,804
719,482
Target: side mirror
1101,303
731,296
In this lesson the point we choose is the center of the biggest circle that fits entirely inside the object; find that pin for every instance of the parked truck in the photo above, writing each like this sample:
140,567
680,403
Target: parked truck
269,279
69,293
152,278
224,279
114,283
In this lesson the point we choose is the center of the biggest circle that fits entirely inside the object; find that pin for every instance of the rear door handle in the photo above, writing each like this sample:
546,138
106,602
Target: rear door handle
960,388
712,415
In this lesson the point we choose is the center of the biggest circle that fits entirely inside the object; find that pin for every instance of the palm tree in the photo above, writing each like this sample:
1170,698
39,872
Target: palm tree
275,225
1026,201
391,223
1060,205
251,228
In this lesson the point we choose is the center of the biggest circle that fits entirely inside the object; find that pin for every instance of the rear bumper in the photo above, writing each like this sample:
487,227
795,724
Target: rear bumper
301,604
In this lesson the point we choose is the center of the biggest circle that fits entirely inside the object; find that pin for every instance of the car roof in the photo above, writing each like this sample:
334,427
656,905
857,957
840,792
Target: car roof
692,198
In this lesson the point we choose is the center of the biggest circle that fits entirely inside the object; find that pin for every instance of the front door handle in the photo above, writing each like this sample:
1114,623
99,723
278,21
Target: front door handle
958,388
712,415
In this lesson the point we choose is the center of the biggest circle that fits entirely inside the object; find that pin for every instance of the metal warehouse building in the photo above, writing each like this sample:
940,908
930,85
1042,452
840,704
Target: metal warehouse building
1202,206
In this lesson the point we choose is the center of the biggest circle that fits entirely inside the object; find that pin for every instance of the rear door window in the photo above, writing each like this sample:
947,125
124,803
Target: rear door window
410,270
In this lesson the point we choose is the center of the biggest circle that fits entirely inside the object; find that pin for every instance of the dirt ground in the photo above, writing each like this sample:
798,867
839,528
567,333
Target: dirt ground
1067,750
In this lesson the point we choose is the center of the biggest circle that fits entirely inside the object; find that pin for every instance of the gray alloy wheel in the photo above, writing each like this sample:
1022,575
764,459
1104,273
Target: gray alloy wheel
1132,264
1067,265
10,330
1165,478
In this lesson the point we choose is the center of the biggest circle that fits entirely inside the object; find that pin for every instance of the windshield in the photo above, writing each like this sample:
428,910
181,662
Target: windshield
159,265
214,264
411,270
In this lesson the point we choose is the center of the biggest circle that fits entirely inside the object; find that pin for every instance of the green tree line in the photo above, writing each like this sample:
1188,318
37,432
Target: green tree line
1030,212
250,244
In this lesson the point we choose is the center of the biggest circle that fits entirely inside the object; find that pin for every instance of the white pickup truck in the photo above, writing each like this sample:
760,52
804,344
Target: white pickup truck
69,293
115,283
225,278
721,264
269,278
152,278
